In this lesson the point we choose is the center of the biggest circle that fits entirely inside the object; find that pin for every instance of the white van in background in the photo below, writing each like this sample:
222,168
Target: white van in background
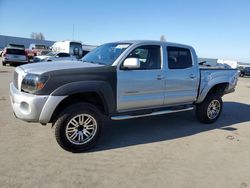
219,63
228,63
74,48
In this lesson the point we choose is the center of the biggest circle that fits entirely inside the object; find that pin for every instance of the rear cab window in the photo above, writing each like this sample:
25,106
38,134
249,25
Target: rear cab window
179,58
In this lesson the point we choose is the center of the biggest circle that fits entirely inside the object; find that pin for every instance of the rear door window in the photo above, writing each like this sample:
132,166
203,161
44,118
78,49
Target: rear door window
179,58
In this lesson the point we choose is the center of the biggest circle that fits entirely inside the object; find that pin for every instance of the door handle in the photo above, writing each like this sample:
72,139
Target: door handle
160,77
192,76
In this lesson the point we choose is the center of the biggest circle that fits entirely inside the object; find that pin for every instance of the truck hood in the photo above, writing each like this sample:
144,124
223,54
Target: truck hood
40,68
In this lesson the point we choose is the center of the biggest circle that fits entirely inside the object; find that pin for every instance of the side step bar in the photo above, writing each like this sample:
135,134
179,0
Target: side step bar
151,114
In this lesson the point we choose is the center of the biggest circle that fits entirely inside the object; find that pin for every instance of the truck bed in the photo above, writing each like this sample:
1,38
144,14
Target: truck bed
210,76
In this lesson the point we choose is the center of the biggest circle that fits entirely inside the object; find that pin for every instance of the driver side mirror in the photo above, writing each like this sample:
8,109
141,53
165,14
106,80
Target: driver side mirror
131,63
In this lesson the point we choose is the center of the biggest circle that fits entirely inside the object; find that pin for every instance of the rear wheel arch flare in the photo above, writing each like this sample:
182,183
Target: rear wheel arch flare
218,89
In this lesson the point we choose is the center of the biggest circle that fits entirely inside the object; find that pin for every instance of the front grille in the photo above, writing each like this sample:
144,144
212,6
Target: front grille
15,81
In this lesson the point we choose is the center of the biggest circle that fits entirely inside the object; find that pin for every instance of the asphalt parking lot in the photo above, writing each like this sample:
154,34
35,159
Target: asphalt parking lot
173,150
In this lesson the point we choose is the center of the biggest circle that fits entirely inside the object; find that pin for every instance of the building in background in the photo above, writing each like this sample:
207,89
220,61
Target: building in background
5,40
240,64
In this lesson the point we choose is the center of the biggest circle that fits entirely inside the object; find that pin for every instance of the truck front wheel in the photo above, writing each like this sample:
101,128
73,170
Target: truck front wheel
210,109
78,127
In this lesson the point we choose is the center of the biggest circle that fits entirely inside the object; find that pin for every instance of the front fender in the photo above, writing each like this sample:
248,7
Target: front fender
103,89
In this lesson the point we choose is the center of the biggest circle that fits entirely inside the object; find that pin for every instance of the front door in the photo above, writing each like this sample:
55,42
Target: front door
143,87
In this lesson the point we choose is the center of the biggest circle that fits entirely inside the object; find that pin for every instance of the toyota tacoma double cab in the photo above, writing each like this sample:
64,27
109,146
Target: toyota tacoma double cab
119,80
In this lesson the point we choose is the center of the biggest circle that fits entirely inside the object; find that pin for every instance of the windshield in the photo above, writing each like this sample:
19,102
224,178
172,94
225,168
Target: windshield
106,54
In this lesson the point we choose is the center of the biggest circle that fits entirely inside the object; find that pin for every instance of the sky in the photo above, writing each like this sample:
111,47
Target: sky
215,28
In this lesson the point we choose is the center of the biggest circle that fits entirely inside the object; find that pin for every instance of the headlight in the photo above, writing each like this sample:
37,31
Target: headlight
32,83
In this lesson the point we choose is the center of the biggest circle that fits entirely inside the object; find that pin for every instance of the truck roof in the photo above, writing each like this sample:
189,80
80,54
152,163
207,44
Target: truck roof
154,42
20,46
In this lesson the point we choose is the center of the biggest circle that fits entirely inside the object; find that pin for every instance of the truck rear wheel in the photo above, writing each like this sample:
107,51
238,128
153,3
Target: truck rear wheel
78,127
210,109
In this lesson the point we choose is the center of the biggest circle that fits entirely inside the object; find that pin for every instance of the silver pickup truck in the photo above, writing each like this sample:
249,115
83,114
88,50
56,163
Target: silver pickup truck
120,80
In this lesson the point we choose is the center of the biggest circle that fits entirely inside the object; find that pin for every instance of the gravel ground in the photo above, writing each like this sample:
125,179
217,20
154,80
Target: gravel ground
172,150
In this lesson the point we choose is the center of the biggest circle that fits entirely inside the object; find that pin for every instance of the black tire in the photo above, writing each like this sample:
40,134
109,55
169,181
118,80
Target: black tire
241,74
64,125
4,64
210,109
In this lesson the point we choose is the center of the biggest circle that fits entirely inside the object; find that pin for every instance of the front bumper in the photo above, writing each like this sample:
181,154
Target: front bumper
33,108
26,106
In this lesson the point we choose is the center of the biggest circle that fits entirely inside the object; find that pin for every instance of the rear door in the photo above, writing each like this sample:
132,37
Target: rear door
143,87
182,78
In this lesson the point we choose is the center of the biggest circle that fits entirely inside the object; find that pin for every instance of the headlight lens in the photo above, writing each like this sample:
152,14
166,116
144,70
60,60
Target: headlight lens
32,83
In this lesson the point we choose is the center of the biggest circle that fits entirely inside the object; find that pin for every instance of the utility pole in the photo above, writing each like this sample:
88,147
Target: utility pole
73,32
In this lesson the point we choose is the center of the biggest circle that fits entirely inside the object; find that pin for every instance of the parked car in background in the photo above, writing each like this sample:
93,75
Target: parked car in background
244,71
36,50
54,56
14,56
